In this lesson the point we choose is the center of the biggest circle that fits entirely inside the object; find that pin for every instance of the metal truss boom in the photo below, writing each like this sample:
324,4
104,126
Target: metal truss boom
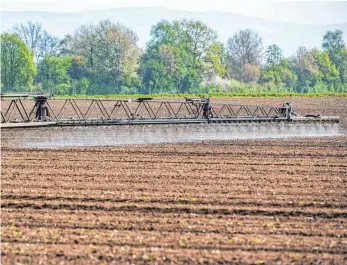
72,111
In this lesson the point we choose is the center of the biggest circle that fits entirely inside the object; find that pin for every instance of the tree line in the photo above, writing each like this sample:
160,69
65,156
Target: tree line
181,57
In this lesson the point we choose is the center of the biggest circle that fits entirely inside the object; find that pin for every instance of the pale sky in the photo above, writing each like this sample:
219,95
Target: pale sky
308,12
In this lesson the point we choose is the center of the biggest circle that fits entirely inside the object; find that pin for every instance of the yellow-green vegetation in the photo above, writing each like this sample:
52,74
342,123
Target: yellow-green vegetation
182,57
211,95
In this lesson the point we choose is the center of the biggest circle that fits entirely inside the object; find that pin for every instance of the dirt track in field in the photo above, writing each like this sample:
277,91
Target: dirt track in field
242,202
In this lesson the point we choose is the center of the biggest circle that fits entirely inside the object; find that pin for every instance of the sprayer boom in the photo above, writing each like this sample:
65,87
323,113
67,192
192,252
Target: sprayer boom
27,110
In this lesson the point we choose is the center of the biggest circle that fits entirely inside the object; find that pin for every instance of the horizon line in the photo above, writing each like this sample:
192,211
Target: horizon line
168,8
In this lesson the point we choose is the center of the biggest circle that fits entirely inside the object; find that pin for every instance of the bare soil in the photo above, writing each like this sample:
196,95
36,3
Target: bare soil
278,201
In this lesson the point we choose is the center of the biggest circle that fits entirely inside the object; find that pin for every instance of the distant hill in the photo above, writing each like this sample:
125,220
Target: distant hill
288,36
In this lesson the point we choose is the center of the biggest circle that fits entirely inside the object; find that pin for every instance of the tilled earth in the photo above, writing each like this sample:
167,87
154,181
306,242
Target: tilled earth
242,202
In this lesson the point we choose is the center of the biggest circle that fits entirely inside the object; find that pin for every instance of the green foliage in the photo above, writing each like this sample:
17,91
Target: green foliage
334,45
279,75
53,74
273,55
78,68
80,86
38,40
107,52
215,59
17,64
181,57
211,95
244,52
306,68
327,70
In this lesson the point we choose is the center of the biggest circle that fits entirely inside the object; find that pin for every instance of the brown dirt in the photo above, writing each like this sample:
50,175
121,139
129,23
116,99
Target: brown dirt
242,202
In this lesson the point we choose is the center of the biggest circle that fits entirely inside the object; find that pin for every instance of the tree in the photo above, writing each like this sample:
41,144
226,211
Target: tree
167,55
280,75
343,67
276,70
183,52
251,73
327,70
243,48
31,34
273,55
40,42
333,41
53,74
78,68
334,44
199,36
110,50
66,45
80,76
155,77
17,64
48,45
306,68
215,60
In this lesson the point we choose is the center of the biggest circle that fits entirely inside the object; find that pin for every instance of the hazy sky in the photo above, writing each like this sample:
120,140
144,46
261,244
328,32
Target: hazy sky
308,12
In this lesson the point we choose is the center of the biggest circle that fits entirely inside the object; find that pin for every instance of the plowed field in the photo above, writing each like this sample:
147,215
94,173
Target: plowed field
280,201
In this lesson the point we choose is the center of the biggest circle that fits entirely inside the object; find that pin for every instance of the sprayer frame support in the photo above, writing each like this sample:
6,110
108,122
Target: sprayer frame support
139,111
